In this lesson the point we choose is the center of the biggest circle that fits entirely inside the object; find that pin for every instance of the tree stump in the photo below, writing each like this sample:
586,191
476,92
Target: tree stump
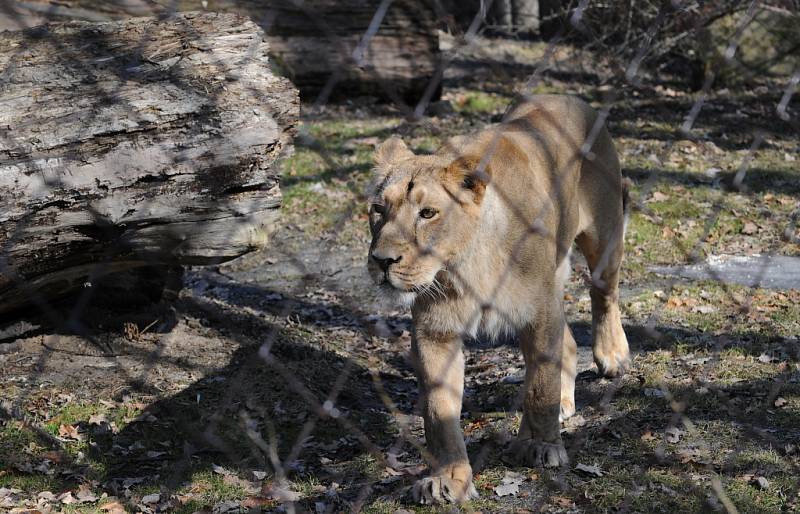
143,142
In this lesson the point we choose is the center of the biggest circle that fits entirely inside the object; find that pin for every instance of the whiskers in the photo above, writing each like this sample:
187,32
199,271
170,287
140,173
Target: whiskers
433,291
391,298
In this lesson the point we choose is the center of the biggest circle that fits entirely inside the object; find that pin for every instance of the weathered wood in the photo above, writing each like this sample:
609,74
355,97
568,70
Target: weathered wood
320,39
517,18
135,143
315,40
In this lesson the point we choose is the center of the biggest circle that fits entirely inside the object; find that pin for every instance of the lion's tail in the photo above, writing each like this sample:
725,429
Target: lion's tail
626,195
626,202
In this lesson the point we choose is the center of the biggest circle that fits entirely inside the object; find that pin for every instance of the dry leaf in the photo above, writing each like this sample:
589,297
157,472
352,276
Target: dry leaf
392,472
67,498
151,499
779,402
509,486
85,494
5,492
590,470
220,470
280,492
255,502
97,419
766,359
696,455
53,456
674,302
749,228
563,502
658,196
114,507
68,432
511,489
673,434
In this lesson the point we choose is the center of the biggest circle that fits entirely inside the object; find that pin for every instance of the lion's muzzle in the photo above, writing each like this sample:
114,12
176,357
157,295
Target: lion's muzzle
385,262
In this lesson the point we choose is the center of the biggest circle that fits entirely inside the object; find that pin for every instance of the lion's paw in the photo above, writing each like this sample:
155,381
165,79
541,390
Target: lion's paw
612,366
610,348
530,453
441,489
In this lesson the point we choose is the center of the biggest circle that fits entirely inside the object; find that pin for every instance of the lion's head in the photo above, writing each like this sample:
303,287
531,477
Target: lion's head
423,214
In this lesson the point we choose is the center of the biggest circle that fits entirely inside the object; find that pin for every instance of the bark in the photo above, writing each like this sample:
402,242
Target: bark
503,17
526,15
326,44
320,45
144,142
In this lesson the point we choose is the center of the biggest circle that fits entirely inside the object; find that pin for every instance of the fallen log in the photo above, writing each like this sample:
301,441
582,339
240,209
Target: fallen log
143,142
336,49
345,48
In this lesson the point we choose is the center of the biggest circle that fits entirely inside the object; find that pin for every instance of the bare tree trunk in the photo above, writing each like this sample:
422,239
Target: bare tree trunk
517,17
503,14
526,16
551,16
145,142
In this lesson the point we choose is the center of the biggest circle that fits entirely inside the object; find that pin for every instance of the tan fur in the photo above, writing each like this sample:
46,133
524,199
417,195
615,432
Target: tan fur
507,205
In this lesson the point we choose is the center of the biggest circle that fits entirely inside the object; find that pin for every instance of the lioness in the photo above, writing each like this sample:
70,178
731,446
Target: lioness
476,238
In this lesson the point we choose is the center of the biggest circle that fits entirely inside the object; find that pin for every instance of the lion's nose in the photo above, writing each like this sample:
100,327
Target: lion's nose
385,262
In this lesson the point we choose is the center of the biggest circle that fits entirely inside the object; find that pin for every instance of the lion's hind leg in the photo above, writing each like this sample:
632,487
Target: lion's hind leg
602,247
569,351
569,368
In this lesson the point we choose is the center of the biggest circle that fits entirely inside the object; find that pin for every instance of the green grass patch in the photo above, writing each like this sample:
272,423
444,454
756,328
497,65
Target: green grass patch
31,484
480,103
203,491
73,413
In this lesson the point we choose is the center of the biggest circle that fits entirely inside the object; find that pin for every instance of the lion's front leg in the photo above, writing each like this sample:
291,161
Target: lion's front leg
439,363
539,441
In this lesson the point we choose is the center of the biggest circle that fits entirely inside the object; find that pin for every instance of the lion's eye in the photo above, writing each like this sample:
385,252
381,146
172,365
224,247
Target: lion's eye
379,208
427,213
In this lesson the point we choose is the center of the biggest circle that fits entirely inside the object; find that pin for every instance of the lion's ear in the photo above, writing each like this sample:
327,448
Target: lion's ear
472,174
393,149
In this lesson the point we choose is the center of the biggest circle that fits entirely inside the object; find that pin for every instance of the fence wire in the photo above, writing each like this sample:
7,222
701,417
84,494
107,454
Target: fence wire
617,35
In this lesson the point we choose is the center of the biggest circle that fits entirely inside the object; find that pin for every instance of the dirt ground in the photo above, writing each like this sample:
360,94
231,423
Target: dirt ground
280,382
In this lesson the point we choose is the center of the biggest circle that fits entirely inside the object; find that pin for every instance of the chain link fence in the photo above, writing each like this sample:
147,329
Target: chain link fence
280,382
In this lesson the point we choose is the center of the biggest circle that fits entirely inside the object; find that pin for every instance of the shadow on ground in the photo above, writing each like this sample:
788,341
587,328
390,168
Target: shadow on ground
264,409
